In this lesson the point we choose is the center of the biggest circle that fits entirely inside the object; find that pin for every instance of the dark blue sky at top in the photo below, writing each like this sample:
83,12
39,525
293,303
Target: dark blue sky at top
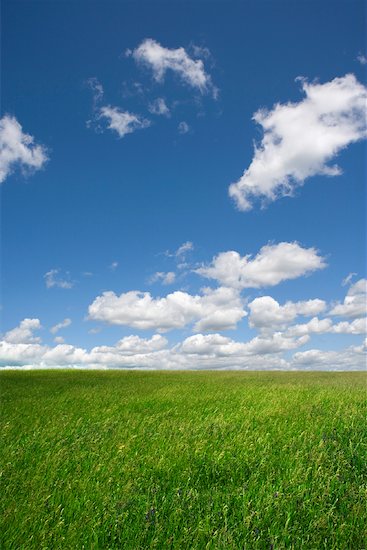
102,199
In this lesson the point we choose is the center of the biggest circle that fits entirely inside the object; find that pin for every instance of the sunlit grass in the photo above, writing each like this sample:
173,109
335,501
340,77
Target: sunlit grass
182,460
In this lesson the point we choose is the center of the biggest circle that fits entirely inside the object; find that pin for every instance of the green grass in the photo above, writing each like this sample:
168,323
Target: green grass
180,460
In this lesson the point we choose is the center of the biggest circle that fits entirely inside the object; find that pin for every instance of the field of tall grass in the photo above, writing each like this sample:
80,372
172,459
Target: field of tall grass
183,460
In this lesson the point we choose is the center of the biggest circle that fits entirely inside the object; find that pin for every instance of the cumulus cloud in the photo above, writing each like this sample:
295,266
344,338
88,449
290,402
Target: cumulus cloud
53,280
159,107
122,122
160,60
165,278
301,138
354,304
272,265
23,334
217,309
18,149
200,351
267,313
65,323
352,358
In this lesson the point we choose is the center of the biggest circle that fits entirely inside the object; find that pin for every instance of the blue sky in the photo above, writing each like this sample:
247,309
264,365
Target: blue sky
180,205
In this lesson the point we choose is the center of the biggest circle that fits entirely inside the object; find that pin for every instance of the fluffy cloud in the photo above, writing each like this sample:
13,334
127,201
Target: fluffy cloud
200,351
272,265
218,345
52,280
301,138
122,122
65,323
159,107
217,309
323,326
23,334
160,60
18,148
354,304
267,313
352,358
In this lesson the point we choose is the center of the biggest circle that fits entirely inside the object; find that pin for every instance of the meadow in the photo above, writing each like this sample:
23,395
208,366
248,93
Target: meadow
183,460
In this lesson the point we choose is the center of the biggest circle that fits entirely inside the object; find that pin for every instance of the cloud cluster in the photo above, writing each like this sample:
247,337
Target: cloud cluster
272,265
160,60
267,313
18,149
210,351
217,309
301,138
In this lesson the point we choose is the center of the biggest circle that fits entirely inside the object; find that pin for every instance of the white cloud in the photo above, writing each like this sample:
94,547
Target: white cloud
218,345
166,278
184,248
18,149
354,304
267,313
59,340
200,351
352,358
23,334
160,59
217,309
122,122
183,128
65,323
272,265
362,59
97,89
131,345
52,280
159,107
301,138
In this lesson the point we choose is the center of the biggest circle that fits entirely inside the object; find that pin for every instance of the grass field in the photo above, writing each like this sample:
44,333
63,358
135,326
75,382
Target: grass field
180,460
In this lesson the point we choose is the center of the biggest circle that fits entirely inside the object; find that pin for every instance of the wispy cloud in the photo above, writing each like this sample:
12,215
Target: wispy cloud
183,127
113,266
166,278
65,323
53,279
159,107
